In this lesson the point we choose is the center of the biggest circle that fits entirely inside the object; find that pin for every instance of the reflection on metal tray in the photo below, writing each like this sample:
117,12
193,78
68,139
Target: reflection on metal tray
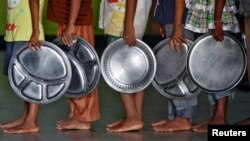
171,79
128,69
41,76
85,66
216,66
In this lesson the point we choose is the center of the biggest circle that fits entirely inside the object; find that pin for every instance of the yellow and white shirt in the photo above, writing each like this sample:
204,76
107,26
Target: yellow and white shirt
19,23
112,14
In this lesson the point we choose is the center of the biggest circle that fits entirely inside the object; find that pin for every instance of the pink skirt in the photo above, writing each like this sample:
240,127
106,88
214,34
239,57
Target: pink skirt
85,108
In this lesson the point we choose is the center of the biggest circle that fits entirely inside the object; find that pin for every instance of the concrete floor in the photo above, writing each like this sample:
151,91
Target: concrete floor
155,108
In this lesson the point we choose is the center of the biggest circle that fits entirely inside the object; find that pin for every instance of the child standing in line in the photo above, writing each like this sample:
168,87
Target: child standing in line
203,18
23,28
75,17
181,112
126,19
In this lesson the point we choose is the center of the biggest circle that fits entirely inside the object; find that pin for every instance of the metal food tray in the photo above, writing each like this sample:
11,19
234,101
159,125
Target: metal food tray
171,78
216,66
128,69
41,76
85,66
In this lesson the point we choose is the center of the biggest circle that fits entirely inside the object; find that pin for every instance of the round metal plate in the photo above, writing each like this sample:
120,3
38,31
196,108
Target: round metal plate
40,76
85,66
216,66
171,78
128,69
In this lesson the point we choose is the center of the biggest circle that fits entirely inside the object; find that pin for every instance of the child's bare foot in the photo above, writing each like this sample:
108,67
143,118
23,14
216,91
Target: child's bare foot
158,123
115,123
23,128
72,124
177,124
244,122
127,125
202,127
11,124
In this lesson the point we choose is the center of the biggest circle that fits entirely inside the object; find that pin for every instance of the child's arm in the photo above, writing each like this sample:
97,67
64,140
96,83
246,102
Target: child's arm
68,31
129,32
218,31
34,39
177,37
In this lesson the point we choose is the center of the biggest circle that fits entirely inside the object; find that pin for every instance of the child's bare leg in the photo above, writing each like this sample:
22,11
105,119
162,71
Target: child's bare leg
133,120
77,108
29,125
177,124
220,115
138,102
16,122
219,118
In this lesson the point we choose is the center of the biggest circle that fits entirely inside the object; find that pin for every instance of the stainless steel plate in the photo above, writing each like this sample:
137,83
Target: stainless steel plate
85,66
40,76
171,78
216,66
128,69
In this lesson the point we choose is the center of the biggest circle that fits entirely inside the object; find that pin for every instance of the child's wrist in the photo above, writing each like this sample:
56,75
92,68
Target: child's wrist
218,21
177,29
70,25
36,31
177,26
129,23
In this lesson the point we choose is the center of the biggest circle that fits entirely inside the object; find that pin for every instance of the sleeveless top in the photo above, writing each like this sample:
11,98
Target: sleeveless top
58,11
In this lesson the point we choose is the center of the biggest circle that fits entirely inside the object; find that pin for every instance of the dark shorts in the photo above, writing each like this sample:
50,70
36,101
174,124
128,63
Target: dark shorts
11,48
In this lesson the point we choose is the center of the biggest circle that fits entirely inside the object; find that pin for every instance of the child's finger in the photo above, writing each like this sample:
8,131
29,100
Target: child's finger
69,40
37,44
66,40
183,40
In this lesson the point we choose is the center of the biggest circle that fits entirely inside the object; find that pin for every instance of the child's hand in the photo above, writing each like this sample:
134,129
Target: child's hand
176,39
129,36
67,35
218,33
34,43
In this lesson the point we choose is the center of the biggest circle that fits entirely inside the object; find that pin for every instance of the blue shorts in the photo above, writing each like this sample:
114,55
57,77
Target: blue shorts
11,48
